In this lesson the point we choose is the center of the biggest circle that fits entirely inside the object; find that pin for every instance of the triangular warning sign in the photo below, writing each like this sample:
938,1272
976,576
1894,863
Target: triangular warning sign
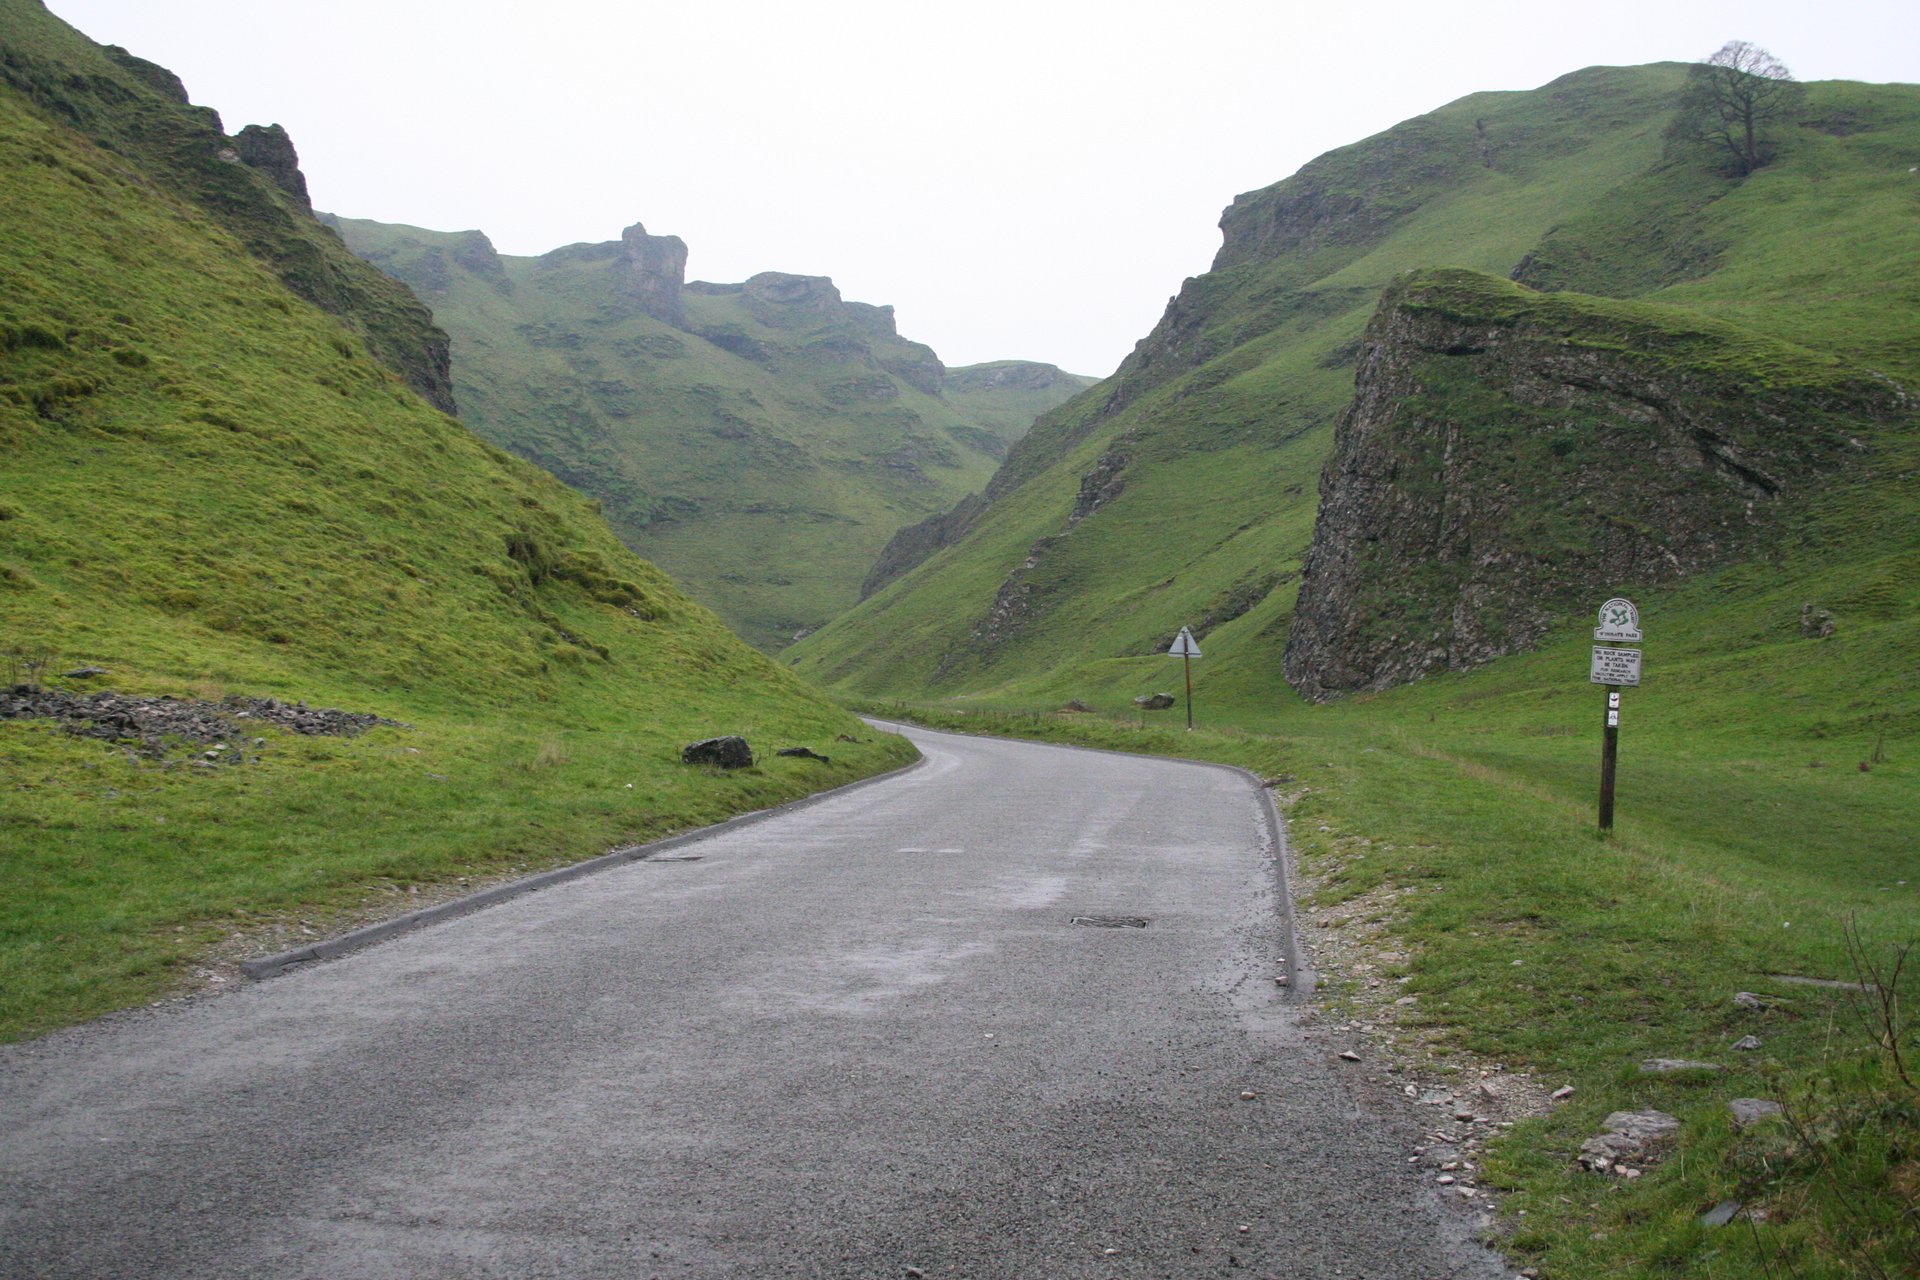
1183,646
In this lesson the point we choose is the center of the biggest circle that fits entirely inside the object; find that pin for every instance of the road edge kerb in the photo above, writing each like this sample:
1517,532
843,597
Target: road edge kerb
1300,975
272,966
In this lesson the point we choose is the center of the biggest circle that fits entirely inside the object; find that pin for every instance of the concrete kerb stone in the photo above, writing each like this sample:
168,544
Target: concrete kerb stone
274,965
1299,969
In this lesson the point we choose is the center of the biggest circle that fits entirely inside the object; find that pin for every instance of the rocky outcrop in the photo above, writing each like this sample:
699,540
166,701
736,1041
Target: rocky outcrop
151,74
269,149
919,542
782,301
656,272
1508,455
1101,485
474,251
151,723
1009,375
913,363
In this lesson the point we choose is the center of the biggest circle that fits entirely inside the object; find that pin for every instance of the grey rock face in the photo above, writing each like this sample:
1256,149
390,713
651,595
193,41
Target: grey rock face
730,752
269,149
1154,701
781,300
656,272
476,253
1100,486
915,543
1492,472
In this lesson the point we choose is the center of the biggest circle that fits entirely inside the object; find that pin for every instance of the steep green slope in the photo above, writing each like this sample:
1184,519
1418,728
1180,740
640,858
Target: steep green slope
1183,490
249,184
761,441
210,487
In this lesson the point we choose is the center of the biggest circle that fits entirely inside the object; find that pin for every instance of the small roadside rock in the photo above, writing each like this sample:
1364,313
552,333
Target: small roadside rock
730,752
1348,1055
1629,1135
1748,1000
1153,701
1721,1214
1561,1094
803,753
1747,1044
1748,1111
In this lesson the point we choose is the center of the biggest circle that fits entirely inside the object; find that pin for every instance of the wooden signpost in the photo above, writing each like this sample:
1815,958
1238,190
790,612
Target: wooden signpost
1184,648
1615,668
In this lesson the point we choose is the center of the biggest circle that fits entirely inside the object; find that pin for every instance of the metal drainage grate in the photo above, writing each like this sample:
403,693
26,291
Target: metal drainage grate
1110,922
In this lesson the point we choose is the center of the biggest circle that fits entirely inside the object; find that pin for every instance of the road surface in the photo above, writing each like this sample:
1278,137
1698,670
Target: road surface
862,1039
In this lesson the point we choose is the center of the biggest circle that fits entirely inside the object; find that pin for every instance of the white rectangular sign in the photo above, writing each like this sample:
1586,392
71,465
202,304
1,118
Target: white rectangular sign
1615,666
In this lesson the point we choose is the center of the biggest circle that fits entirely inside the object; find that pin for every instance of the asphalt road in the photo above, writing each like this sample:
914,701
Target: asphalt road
857,1040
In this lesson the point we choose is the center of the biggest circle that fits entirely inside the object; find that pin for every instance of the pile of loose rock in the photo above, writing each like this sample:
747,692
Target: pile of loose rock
152,722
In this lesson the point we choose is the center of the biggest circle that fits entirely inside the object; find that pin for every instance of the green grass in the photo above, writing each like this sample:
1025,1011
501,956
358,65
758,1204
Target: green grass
209,486
1747,839
765,475
1461,808
1229,408
114,99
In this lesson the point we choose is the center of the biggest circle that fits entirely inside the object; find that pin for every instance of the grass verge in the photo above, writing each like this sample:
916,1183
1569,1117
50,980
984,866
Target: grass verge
1530,940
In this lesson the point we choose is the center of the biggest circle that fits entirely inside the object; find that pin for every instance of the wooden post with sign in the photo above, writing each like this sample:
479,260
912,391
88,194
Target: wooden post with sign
1614,668
1186,650
1609,758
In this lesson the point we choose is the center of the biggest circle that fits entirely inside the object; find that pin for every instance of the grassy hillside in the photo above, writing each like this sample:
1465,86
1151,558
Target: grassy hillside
1220,423
249,184
208,486
1469,914
761,441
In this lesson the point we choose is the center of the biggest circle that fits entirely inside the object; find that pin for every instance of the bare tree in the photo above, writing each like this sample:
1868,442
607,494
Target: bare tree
1732,98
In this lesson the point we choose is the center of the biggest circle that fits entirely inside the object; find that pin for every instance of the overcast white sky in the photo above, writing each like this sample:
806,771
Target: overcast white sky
1020,178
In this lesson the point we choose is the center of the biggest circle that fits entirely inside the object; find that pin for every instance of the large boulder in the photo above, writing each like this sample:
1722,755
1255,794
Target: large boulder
727,753
1153,701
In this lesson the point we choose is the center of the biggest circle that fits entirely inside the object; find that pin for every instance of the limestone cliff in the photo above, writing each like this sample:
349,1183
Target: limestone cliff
269,149
657,272
1509,456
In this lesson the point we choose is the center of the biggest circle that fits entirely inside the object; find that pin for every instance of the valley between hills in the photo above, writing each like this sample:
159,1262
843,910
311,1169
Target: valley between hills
1442,392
